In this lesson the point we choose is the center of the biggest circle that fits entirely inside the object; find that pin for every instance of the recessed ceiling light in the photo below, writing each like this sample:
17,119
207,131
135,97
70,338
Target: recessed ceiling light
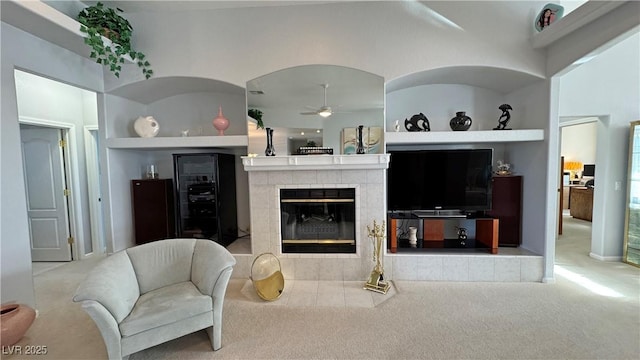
256,92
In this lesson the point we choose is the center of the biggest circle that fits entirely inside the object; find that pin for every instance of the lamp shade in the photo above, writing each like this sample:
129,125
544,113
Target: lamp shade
573,165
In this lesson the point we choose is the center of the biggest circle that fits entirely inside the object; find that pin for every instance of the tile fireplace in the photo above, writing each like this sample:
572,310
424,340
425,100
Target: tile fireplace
348,189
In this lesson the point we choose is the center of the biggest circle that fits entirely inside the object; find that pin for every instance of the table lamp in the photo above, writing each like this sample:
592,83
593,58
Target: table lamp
573,167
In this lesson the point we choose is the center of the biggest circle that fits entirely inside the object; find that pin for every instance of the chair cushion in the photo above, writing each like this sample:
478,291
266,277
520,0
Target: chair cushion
162,263
165,306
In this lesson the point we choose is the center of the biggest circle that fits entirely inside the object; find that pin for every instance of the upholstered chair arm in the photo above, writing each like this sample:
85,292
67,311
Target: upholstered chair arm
107,325
219,290
210,260
211,270
113,284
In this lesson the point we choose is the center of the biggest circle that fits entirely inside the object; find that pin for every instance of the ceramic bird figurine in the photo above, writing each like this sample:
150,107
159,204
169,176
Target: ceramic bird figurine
418,122
504,118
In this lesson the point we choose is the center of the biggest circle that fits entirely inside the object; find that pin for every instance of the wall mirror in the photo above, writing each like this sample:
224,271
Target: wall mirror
631,249
292,101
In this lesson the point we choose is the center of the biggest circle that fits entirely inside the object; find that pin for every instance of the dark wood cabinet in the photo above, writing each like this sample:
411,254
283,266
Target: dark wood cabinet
206,196
153,210
506,206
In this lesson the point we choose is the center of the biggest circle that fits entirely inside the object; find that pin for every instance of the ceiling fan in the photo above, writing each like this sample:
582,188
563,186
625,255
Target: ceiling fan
325,110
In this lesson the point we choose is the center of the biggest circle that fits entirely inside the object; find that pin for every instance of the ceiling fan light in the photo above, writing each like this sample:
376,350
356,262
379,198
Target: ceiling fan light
325,111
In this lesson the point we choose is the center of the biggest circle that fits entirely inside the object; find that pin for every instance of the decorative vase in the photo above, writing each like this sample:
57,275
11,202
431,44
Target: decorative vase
269,151
220,122
413,239
360,148
146,126
16,320
461,122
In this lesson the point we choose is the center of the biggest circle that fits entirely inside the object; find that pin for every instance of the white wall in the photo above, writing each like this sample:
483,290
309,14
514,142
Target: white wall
23,51
579,142
530,159
607,86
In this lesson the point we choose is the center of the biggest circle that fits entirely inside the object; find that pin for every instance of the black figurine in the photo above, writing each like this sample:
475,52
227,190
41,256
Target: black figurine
418,122
360,147
504,118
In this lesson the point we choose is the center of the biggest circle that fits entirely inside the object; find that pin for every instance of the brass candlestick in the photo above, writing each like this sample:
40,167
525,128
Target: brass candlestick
376,278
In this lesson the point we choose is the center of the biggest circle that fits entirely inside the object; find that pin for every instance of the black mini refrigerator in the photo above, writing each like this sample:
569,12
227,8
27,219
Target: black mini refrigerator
206,196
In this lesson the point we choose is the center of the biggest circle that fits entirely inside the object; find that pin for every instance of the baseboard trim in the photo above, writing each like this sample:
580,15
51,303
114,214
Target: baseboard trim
606,258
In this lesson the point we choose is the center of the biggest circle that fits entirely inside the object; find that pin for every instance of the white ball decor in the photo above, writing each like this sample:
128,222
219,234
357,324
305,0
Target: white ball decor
146,126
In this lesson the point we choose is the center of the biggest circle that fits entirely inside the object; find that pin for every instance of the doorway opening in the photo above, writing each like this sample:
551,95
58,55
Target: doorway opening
578,144
50,107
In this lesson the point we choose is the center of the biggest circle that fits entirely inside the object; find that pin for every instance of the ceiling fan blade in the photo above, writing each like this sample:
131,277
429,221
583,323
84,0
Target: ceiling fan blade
324,110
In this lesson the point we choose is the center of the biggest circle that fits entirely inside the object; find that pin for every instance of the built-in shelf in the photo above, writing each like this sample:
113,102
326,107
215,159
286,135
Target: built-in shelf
463,137
392,138
177,142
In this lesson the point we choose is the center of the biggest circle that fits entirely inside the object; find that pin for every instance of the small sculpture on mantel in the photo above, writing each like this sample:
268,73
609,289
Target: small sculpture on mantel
504,118
418,122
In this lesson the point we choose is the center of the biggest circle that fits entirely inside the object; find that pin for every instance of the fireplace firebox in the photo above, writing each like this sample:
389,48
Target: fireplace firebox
318,220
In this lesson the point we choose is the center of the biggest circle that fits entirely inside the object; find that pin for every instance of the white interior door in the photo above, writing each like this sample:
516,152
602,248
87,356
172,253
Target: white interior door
47,209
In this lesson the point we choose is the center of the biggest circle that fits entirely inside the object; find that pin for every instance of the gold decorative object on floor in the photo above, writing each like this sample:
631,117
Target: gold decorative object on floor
376,279
267,278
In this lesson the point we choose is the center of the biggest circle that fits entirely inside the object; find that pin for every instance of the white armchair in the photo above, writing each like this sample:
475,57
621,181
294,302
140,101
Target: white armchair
152,293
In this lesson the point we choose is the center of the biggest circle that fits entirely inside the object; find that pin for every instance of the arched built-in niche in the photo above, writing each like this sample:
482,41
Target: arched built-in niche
480,90
178,103
440,93
289,97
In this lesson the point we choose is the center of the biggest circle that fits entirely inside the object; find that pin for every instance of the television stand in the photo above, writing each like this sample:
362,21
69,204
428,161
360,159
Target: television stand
438,233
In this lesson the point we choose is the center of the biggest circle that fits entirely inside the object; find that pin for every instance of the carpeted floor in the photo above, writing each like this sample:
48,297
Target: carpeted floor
423,320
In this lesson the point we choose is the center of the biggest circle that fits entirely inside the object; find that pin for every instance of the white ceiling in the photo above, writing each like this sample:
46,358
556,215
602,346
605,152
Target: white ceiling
341,89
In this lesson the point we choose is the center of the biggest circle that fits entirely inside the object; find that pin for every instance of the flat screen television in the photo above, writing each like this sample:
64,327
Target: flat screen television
589,170
433,180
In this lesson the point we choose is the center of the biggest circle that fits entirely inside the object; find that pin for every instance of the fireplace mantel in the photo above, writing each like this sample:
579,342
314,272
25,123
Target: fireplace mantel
316,162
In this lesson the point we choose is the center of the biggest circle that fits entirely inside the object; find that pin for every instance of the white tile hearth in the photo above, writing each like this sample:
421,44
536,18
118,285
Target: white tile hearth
268,175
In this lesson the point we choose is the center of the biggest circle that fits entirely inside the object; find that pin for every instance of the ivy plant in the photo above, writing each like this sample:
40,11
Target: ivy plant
100,21
257,114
